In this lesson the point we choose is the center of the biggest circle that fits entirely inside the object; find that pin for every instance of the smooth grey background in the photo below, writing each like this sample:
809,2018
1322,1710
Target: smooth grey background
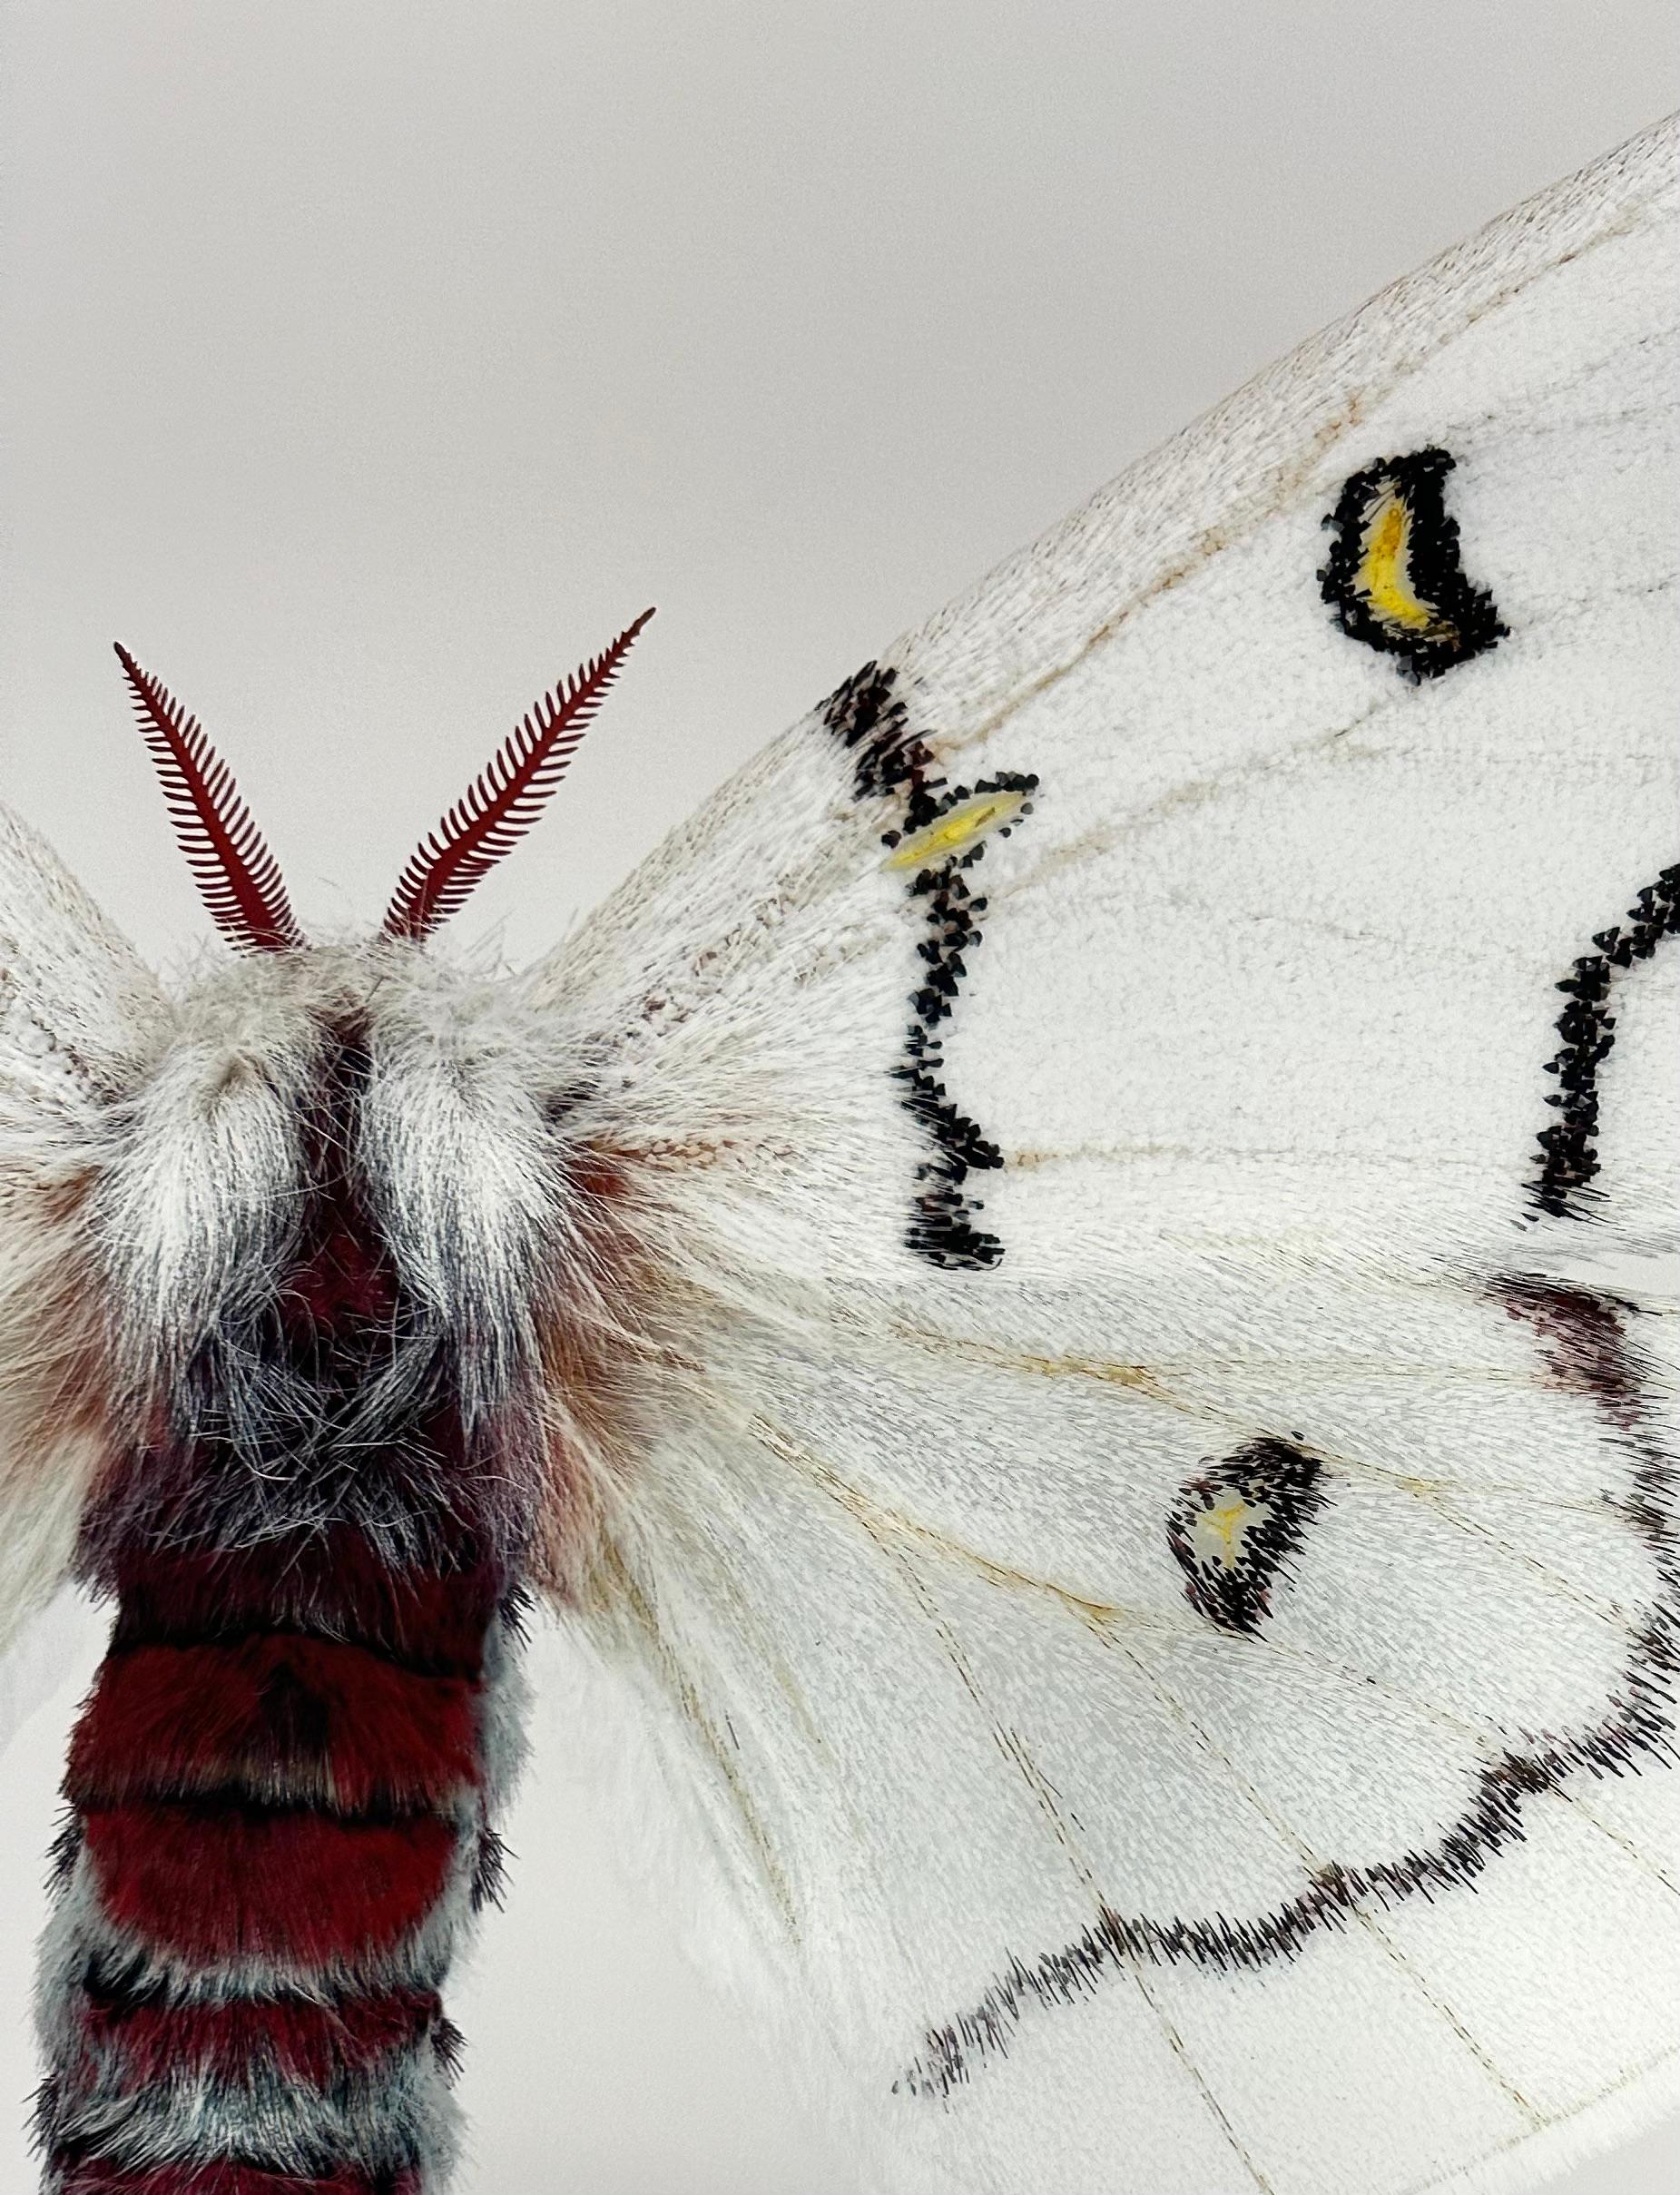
366,365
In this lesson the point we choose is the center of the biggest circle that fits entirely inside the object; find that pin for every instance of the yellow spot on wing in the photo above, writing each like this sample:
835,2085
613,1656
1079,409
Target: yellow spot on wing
1223,1523
957,830
1385,568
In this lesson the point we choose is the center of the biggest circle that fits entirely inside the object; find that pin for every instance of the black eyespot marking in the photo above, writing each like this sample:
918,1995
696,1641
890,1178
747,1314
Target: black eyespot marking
1233,1530
1394,576
1569,1157
892,761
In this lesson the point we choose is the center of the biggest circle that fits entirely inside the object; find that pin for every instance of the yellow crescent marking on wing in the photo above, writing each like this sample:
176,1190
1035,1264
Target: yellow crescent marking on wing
1385,568
957,830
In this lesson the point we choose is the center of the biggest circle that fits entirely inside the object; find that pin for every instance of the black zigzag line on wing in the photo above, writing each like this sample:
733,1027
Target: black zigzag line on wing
1587,1027
891,760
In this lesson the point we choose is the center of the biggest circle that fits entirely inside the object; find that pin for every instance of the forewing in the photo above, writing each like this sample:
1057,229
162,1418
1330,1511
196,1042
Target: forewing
1137,1479
78,1015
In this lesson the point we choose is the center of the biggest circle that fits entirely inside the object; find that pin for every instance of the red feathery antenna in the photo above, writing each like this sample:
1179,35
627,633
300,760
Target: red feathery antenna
505,801
238,877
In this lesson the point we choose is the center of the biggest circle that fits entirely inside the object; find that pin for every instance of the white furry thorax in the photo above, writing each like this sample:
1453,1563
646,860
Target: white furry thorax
204,1159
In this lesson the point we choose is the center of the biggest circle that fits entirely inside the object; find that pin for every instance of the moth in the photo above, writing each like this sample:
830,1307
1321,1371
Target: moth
1067,1302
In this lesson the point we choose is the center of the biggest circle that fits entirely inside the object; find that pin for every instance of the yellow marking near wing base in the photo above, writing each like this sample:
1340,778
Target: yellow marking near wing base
1223,1523
957,830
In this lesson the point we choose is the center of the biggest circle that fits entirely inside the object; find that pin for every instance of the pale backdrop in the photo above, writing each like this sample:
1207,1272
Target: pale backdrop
366,364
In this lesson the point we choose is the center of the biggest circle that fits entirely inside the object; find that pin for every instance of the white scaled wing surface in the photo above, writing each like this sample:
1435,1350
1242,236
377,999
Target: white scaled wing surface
1130,1171
77,1010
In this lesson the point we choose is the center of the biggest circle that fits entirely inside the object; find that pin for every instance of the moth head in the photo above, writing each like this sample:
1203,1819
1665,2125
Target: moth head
300,1060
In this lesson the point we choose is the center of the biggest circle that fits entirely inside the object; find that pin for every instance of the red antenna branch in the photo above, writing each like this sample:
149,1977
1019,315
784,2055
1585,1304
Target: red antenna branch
505,801
237,876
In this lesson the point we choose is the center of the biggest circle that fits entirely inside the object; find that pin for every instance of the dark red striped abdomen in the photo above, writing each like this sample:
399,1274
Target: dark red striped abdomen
282,1831
281,1785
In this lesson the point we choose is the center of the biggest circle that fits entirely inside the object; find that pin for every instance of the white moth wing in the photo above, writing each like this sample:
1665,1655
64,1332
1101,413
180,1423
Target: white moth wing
1170,1628
78,1013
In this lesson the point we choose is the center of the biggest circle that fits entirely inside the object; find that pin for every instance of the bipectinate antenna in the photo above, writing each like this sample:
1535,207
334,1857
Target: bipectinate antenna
505,801
238,877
